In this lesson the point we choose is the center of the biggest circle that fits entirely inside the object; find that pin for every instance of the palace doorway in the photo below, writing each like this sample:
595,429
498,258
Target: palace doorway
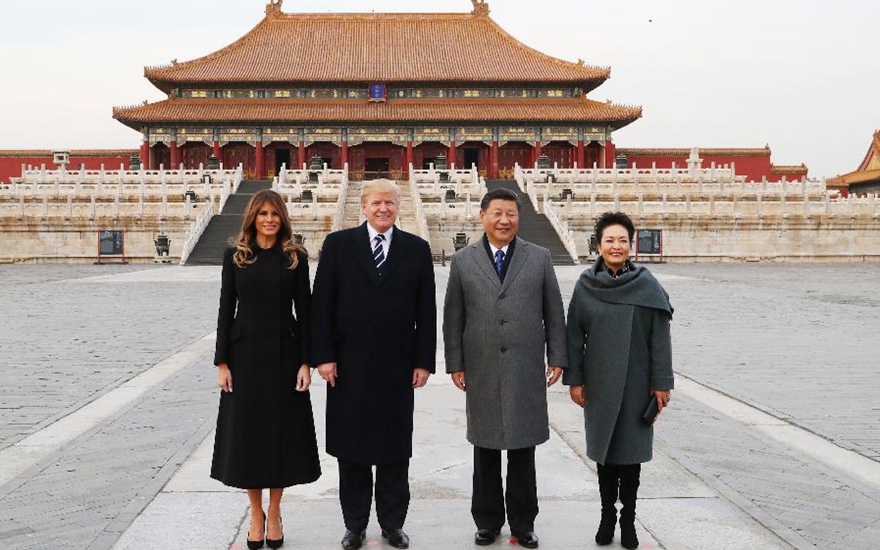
161,156
472,153
239,152
560,153
510,154
376,168
471,157
376,160
278,155
329,153
195,153
593,155
425,154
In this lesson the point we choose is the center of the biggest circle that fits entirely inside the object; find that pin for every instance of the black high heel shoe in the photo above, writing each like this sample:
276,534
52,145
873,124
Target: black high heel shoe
274,544
257,544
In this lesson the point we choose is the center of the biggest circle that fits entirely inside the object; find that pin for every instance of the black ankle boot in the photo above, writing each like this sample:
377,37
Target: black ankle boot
629,491
608,496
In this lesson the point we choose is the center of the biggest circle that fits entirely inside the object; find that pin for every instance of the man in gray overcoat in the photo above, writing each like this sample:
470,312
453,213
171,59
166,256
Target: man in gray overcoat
503,309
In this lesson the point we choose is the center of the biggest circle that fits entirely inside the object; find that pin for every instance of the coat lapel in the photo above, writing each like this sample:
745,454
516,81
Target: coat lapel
396,252
520,259
360,244
479,256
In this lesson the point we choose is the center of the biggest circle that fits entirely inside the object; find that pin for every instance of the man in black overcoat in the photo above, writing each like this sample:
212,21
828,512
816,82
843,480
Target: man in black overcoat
374,339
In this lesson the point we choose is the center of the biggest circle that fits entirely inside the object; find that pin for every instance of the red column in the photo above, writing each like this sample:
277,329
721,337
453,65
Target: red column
145,154
493,161
537,153
344,156
301,155
175,157
452,155
216,147
580,155
261,161
408,159
610,154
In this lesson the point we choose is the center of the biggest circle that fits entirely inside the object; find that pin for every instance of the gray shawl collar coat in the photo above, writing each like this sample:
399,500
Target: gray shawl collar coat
620,350
497,334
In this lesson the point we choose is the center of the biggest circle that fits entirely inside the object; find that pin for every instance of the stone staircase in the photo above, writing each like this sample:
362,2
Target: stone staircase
352,216
225,226
406,218
533,227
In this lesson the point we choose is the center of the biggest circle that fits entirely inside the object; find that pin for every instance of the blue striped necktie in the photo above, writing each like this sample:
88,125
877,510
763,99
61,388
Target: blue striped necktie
379,253
499,261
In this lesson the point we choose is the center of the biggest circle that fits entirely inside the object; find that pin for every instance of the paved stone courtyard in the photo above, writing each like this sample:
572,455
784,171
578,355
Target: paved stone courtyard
795,344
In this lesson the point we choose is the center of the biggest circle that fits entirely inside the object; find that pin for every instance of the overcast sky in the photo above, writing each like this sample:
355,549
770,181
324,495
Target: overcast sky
800,75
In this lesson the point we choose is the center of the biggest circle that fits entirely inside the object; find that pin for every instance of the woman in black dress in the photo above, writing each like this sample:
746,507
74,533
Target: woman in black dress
265,429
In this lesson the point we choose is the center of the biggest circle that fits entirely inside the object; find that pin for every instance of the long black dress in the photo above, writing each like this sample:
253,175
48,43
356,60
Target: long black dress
265,429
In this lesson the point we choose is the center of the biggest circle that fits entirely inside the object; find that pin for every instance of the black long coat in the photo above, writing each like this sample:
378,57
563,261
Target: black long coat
377,331
265,429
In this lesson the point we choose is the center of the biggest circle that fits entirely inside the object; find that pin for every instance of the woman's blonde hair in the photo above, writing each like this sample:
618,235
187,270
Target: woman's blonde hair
247,235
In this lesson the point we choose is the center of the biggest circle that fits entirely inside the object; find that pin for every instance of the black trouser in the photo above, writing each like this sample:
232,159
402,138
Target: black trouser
356,494
487,503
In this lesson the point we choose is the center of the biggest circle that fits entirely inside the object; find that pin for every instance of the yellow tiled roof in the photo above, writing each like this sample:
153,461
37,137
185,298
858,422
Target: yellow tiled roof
376,47
395,111
868,170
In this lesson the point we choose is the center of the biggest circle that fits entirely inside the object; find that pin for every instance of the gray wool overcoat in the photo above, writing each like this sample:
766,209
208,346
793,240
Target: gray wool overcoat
497,334
618,369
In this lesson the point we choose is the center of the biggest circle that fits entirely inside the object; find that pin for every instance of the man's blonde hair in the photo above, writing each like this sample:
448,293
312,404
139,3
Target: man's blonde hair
379,186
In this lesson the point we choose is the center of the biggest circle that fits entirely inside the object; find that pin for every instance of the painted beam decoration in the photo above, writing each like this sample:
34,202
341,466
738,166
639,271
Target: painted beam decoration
280,134
559,133
396,136
204,135
324,134
470,133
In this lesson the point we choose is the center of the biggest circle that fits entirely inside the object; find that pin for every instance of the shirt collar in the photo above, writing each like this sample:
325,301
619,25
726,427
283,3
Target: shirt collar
372,232
494,249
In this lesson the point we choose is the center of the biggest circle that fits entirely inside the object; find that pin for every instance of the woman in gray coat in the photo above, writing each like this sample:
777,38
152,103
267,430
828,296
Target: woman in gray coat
619,360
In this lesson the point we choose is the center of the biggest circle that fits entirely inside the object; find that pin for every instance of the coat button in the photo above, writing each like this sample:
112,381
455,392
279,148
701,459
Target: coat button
503,350
503,296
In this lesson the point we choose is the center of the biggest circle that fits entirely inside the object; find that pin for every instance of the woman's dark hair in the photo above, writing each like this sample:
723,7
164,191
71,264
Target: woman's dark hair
608,219
247,236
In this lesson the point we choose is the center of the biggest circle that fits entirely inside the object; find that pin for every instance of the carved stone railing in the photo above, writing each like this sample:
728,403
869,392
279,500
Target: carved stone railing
41,176
124,183
736,207
421,219
325,175
194,233
339,214
561,227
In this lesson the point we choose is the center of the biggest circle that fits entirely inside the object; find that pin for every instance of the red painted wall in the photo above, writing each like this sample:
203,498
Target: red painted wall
11,161
754,166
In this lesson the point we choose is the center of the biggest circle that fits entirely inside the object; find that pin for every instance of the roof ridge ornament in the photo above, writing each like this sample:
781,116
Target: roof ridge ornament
273,8
481,8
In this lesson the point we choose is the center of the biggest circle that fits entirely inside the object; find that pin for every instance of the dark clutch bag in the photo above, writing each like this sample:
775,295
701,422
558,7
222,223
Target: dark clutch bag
651,412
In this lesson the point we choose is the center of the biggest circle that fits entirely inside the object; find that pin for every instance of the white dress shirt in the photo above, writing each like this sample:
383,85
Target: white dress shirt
386,244
495,250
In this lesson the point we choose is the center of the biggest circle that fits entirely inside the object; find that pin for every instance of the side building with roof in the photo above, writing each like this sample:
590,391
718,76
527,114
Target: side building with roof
379,92
865,178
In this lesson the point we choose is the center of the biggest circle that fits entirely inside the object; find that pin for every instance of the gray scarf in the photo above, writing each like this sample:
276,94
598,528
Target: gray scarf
637,287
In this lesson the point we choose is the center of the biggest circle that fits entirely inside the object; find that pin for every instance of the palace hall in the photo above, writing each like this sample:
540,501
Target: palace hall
378,92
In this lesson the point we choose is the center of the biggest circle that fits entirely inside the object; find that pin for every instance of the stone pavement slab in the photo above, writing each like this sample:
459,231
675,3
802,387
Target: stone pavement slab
440,473
72,333
715,482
